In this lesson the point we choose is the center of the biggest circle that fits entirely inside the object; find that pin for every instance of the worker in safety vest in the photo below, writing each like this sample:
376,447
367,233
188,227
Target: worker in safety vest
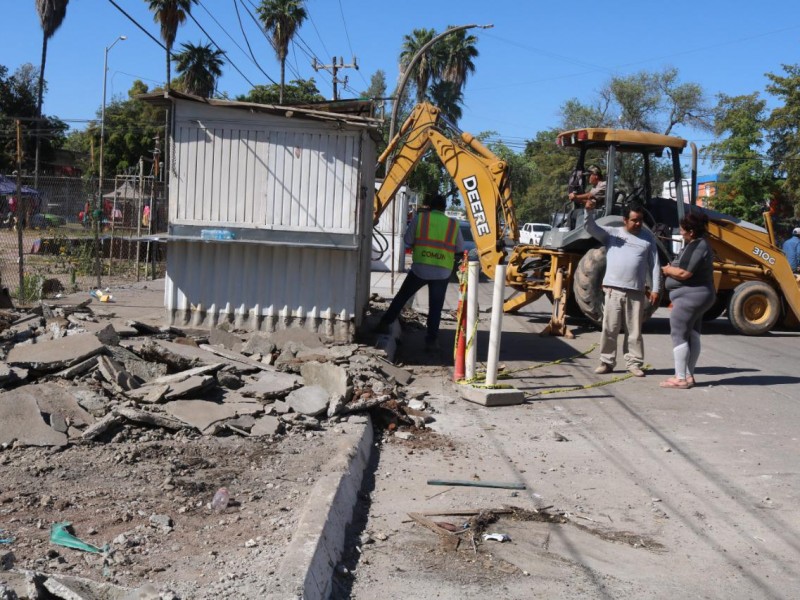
435,239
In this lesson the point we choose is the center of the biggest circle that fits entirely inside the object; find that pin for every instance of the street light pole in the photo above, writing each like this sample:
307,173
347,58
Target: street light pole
103,110
102,144
402,86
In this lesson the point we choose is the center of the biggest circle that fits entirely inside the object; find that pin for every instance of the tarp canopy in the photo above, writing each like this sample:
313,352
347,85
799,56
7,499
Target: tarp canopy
127,191
8,187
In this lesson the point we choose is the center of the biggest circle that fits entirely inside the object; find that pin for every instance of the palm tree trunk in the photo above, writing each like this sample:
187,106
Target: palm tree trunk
283,74
39,100
166,87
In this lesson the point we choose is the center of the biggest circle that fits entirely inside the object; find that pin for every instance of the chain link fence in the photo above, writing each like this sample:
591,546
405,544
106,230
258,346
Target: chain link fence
66,234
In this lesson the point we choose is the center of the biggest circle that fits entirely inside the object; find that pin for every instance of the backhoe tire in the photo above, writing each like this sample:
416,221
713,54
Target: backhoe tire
587,286
754,308
720,306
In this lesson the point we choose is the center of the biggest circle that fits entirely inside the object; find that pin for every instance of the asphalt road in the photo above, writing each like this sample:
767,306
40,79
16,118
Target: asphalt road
667,493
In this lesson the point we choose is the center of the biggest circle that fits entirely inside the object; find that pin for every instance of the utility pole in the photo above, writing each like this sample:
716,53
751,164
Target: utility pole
334,68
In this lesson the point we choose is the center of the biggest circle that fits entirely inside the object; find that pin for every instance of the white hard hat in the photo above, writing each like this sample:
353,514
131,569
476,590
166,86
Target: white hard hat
796,231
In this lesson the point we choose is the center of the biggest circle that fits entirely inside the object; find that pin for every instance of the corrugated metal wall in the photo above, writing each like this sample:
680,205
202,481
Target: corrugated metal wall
297,194
262,287
263,171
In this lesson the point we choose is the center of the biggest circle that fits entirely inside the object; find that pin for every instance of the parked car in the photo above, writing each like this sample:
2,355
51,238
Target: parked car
531,233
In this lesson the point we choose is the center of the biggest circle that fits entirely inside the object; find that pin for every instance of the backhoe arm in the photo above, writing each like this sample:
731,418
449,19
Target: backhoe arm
481,177
422,118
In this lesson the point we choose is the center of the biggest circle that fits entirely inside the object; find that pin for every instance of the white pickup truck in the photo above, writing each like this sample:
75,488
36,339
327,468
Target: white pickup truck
531,233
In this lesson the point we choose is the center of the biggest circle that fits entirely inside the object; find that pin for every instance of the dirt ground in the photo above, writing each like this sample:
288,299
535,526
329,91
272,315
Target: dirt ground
147,495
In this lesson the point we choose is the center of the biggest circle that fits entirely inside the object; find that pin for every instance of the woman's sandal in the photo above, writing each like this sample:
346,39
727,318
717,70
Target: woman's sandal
690,381
678,384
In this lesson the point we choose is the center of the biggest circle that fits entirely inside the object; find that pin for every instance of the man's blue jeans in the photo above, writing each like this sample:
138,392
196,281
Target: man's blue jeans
437,289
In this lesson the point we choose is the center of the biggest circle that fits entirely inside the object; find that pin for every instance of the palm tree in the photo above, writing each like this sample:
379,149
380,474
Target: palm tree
449,98
282,19
51,15
169,14
427,67
458,54
199,68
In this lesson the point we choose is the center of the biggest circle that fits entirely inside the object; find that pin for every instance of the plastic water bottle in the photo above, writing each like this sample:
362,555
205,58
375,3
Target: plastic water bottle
221,499
216,234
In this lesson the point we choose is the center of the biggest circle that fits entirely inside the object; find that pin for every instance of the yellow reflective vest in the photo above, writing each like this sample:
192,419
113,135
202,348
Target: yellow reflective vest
435,239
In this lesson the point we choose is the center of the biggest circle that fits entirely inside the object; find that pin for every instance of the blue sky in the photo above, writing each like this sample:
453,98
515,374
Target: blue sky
537,56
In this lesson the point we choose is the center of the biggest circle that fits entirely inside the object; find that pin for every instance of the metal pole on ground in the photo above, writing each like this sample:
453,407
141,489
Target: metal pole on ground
472,319
496,325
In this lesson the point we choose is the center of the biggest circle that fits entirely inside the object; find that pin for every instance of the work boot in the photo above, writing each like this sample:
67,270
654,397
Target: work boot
636,371
603,369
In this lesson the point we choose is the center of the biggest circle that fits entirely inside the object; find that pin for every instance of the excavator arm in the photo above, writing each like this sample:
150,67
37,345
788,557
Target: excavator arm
481,177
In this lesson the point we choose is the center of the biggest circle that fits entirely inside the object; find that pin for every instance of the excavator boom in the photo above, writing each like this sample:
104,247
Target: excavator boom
481,177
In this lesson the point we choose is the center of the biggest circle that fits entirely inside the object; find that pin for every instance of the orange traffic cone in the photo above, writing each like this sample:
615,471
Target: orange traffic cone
459,358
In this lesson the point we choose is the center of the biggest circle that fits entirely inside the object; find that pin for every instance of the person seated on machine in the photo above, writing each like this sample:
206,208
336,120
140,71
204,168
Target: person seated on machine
597,192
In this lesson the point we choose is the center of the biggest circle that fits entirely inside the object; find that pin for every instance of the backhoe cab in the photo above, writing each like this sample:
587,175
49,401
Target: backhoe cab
752,277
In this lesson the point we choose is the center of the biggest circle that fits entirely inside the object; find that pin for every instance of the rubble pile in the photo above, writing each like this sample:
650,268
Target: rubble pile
126,431
69,375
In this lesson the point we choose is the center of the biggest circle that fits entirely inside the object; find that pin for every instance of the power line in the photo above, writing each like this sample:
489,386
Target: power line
191,16
135,22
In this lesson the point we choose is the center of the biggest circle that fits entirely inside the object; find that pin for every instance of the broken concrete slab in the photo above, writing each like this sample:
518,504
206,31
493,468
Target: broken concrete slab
135,365
301,337
491,397
21,420
259,343
271,385
193,386
149,394
184,375
95,404
401,376
148,418
309,400
226,339
78,369
113,373
237,357
202,414
333,378
266,425
181,357
108,335
55,399
55,354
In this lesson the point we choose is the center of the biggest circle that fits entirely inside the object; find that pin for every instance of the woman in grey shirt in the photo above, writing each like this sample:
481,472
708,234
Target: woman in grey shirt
690,282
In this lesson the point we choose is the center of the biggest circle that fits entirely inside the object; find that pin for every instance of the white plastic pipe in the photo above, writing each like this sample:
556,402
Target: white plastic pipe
472,319
496,326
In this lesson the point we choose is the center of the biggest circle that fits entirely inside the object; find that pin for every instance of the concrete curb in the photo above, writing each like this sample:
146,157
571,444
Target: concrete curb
307,568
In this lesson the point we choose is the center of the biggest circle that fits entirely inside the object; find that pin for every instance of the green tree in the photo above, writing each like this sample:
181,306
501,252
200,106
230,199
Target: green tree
18,94
170,14
783,127
131,129
282,19
644,101
297,91
199,66
377,85
747,182
549,170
